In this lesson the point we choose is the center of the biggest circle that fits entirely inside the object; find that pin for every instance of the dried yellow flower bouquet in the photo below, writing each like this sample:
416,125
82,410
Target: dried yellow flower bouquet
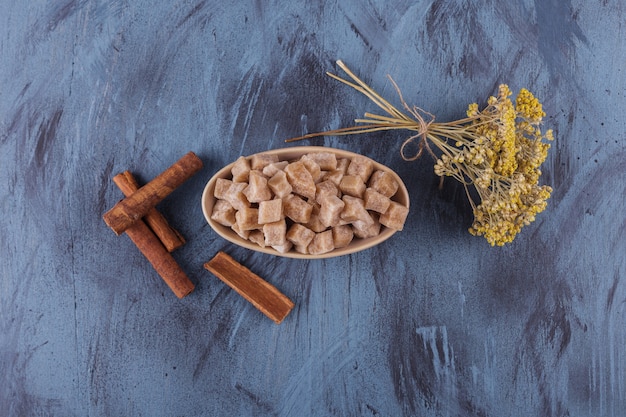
498,150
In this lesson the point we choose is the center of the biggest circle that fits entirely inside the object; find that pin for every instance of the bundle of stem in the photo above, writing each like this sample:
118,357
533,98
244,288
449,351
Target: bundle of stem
498,150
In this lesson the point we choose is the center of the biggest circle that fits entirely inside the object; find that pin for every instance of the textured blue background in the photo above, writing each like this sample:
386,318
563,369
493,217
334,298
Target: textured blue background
434,322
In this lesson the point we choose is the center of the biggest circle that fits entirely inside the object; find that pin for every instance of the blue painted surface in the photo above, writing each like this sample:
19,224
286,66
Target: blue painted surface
434,322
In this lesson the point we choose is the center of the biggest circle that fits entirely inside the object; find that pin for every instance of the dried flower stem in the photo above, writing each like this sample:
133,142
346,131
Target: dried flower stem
498,150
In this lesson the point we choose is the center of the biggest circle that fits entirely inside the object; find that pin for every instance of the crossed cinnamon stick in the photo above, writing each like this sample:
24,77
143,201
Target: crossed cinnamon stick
146,227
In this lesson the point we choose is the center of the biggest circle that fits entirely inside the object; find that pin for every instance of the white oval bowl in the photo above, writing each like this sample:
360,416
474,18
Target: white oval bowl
287,154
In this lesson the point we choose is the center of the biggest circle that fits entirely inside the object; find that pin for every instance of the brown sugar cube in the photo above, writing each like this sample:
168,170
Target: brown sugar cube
325,188
221,187
314,222
279,184
375,201
321,243
240,169
300,235
235,196
248,218
286,247
257,189
271,211
342,236
395,216
365,230
275,233
223,213
261,160
257,236
273,168
331,207
384,183
354,210
327,161
361,166
334,176
352,185
313,167
342,165
301,249
297,209
300,179
244,234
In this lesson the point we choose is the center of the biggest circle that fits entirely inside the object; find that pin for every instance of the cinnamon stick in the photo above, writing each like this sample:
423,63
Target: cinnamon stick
169,236
263,295
134,207
162,261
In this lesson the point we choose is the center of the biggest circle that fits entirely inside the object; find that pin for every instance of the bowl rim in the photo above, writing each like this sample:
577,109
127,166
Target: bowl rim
208,200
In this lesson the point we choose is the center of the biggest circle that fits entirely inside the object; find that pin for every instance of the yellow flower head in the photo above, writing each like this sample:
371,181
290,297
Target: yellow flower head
499,150
528,107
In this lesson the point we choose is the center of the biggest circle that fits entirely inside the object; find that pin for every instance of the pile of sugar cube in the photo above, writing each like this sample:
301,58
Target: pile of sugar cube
312,205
